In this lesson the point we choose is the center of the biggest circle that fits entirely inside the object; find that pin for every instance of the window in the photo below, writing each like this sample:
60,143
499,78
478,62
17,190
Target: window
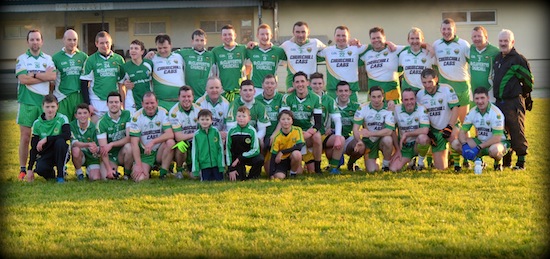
149,28
15,32
473,17
213,26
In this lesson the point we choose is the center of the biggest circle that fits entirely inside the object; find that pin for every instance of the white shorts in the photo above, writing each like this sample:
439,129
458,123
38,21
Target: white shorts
99,106
129,102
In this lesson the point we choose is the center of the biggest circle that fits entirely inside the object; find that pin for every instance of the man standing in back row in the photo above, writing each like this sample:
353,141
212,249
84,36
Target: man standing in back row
512,87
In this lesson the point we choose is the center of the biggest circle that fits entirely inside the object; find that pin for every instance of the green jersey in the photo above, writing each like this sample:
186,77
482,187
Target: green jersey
328,106
113,130
198,68
481,66
140,75
258,114
272,107
230,63
347,112
45,128
27,63
69,67
207,150
303,109
87,135
264,62
104,74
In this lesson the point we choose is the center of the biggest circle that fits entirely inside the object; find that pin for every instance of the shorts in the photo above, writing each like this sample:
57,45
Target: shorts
167,104
27,114
441,142
461,88
99,106
372,147
89,160
408,150
485,151
68,105
282,167
113,155
150,159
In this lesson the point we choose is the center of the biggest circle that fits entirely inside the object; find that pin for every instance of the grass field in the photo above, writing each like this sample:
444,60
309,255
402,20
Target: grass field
408,214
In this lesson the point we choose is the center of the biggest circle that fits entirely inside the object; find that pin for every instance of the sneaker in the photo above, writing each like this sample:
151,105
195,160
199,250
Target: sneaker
466,164
80,177
60,180
412,164
335,171
497,167
179,175
293,175
385,169
518,168
458,168
22,175
418,167
352,167
126,178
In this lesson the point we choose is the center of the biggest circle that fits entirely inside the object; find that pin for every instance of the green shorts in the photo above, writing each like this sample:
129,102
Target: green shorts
150,159
27,114
408,150
68,105
167,104
373,147
89,159
113,155
440,141
461,88
485,151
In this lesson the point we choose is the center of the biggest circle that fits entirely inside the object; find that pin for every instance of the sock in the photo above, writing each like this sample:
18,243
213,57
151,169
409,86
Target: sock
79,171
455,157
423,150
127,172
292,172
334,163
420,160
179,169
498,162
317,166
163,172
23,169
385,163
521,161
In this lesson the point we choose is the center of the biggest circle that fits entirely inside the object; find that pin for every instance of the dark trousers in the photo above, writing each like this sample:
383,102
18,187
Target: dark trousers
211,174
514,122
256,163
55,155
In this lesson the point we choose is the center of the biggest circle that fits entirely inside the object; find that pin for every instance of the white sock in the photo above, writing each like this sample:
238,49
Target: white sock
420,161
79,171
292,172
386,163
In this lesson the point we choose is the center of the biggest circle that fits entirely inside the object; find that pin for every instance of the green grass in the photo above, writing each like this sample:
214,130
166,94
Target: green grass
408,214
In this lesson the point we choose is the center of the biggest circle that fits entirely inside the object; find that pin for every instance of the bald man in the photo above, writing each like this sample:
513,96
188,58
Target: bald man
69,61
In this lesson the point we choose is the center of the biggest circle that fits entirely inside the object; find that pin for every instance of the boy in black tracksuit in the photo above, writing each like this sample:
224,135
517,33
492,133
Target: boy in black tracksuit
243,148
49,146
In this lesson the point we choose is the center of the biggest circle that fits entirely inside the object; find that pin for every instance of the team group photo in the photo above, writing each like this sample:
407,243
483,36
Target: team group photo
273,133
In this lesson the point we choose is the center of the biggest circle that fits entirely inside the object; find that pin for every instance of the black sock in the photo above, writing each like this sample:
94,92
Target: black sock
317,166
23,169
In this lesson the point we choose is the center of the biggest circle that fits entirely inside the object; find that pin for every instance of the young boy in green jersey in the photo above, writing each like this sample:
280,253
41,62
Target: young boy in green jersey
287,147
207,149
49,147
243,148
84,145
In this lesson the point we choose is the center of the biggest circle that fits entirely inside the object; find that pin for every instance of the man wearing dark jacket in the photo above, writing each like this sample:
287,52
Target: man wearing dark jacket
512,85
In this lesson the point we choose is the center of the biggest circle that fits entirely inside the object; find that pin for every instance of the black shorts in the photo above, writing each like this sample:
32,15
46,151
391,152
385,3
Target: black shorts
282,167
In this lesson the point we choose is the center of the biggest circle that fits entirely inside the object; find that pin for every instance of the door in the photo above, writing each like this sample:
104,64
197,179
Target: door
89,31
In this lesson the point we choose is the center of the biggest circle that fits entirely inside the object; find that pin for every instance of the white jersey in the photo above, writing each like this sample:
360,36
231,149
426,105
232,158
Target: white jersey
438,105
412,65
342,64
219,110
34,65
452,59
302,58
487,124
168,76
382,65
149,128
408,122
184,121
373,119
